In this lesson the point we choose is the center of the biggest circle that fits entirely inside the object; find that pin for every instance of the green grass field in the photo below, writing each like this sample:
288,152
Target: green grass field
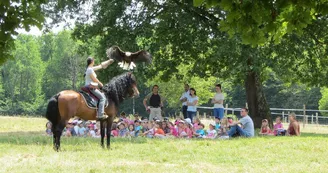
25,148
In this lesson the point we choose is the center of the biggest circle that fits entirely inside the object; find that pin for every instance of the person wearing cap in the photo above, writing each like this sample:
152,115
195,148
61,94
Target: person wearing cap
188,127
217,100
155,104
247,129
184,99
181,129
93,83
211,132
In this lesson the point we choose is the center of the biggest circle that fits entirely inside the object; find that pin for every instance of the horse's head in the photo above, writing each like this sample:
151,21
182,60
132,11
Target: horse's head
132,88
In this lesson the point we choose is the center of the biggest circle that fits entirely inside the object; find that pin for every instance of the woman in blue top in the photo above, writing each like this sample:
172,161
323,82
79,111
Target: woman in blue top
191,103
92,82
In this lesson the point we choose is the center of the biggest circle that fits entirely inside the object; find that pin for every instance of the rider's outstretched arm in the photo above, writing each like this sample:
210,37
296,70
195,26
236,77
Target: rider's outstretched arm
103,65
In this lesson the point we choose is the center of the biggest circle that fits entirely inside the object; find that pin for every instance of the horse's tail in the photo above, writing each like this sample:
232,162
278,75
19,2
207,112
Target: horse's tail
52,113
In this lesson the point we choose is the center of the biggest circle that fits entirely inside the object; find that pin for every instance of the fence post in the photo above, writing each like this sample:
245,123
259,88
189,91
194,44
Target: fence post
283,116
226,110
304,115
246,105
312,119
316,117
204,115
197,114
233,111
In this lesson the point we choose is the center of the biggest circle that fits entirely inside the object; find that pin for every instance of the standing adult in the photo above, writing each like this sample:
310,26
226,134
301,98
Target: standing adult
247,129
294,126
155,104
192,101
184,99
217,100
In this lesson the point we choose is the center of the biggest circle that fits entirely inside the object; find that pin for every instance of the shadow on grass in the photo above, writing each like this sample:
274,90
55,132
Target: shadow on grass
39,138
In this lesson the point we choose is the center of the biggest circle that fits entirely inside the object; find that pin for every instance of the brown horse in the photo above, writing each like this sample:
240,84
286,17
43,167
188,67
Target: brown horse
67,104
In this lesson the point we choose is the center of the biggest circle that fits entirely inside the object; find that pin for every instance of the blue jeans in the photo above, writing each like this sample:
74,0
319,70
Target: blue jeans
102,101
191,115
237,130
218,113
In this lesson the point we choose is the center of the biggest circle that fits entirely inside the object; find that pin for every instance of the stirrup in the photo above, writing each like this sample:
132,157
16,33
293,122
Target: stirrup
102,117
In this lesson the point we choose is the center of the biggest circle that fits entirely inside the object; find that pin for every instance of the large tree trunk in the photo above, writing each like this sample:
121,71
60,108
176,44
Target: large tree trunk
257,104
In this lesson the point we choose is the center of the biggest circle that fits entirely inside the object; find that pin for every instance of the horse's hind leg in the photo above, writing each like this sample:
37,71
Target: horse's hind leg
109,129
102,133
57,134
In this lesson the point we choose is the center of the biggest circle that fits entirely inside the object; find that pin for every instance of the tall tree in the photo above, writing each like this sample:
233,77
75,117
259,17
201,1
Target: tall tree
16,14
22,77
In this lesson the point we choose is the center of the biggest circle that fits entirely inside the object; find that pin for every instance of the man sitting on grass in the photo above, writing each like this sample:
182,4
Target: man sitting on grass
247,129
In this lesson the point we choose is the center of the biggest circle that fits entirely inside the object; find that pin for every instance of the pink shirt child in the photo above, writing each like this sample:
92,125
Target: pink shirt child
174,131
196,126
114,133
276,127
189,132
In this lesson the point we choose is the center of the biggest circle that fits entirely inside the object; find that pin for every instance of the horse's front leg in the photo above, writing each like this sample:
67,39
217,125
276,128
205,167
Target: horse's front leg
109,129
102,133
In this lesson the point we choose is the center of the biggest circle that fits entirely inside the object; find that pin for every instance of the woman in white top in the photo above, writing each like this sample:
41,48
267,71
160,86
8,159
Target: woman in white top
218,102
93,83
191,103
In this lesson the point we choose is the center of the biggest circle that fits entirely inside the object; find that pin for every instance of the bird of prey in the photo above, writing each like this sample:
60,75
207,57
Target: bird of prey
127,60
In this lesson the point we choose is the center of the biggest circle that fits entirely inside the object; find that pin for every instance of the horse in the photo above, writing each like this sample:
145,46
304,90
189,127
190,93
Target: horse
68,103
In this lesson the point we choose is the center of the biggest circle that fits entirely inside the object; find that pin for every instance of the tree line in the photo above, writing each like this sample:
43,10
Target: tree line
44,65
243,42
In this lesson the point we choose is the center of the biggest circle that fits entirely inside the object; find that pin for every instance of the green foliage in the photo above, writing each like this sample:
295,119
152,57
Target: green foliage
21,78
323,102
260,22
16,14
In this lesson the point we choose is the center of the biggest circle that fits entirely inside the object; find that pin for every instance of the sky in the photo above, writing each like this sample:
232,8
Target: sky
37,32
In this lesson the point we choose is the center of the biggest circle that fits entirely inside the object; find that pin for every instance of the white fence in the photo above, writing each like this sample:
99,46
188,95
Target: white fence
307,116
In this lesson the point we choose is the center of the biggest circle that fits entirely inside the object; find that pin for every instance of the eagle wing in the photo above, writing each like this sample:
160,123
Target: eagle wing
141,56
116,53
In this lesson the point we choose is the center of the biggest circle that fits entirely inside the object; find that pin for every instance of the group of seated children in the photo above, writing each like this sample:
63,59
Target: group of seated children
77,128
278,129
180,128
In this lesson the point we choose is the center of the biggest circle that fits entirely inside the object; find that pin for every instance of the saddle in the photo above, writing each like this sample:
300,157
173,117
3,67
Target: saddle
90,99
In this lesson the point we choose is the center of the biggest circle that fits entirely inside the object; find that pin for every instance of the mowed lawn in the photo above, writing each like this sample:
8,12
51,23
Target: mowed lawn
25,148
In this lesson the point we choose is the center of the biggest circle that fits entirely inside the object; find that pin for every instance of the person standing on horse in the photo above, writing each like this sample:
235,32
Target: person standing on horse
94,84
155,104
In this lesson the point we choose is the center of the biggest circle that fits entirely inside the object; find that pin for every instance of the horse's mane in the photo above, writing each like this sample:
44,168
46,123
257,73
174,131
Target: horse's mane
116,89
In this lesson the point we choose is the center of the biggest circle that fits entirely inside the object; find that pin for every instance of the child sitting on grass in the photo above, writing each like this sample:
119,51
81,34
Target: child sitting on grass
196,123
151,130
48,130
122,131
114,131
173,130
265,129
159,132
217,123
200,132
181,130
223,129
211,132
131,132
279,128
